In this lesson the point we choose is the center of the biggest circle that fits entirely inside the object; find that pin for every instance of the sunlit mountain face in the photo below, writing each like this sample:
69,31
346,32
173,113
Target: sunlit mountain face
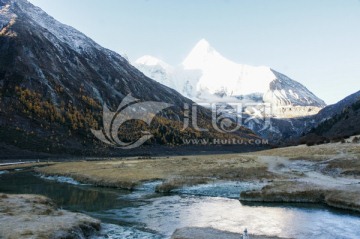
205,76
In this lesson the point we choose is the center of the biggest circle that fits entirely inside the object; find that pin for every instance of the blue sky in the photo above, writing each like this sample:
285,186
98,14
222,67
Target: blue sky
315,42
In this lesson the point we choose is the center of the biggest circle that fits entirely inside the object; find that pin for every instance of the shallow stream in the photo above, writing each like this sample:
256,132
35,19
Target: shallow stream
146,214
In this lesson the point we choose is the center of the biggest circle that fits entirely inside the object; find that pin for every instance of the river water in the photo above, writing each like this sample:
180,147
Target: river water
146,214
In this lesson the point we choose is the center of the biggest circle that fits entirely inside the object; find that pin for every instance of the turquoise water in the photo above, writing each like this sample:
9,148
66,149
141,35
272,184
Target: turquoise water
146,214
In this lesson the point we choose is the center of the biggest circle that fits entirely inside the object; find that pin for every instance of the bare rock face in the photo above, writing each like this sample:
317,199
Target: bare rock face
33,216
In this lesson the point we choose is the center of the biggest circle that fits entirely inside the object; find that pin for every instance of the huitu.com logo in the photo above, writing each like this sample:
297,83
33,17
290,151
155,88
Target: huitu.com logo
226,118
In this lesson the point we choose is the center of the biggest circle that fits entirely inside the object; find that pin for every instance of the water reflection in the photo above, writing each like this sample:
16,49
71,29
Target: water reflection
72,197
168,213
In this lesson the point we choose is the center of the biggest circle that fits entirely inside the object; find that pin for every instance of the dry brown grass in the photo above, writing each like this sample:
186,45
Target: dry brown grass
350,166
23,166
130,172
313,153
178,171
344,158
296,192
286,192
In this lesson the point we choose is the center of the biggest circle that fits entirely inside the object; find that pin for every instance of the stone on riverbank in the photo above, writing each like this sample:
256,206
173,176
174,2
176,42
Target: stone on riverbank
33,216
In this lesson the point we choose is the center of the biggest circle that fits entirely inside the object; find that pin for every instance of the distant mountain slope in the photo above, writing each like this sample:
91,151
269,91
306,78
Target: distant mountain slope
54,81
339,120
331,110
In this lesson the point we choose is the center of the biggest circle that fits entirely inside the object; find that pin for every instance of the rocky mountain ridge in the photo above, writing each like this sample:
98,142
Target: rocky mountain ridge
54,82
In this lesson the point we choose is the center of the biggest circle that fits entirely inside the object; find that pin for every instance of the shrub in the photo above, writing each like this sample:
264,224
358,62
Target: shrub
336,139
310,143
319,142
3,196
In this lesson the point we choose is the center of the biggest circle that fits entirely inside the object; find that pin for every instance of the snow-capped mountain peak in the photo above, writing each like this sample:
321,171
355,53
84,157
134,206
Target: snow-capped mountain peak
202,53
203,47
203,43
207,76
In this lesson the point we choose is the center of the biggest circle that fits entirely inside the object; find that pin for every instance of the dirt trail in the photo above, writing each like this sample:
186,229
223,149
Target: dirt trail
306,171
